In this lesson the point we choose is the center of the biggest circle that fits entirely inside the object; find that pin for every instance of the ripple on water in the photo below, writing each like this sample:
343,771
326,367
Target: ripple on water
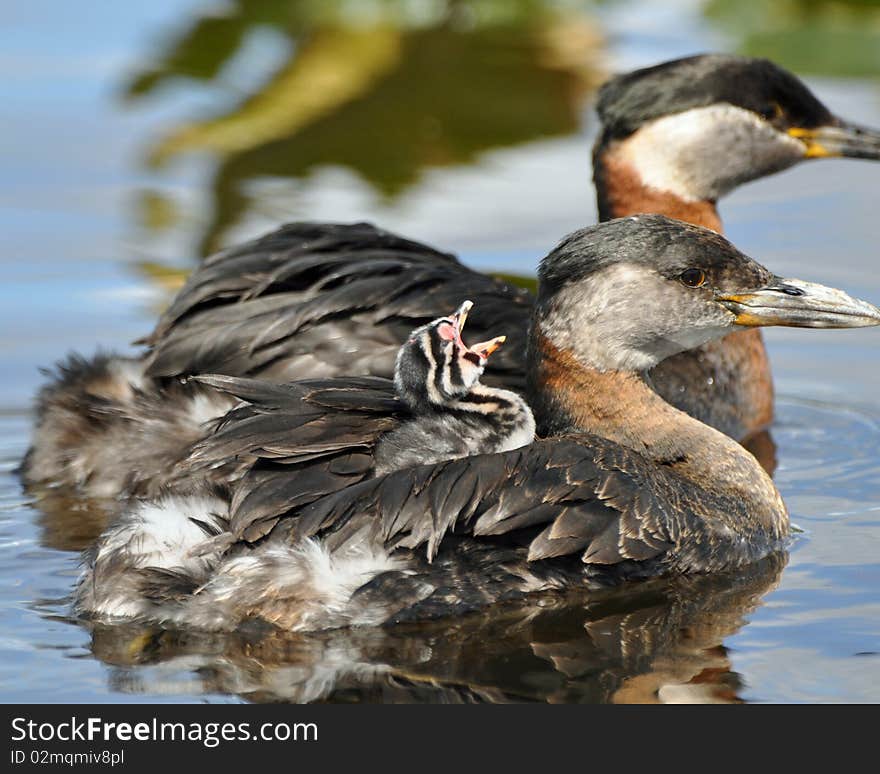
828,457
802,644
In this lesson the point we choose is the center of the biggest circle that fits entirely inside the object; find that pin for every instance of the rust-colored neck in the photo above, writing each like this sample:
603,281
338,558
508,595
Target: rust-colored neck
727,383
570,397
620,191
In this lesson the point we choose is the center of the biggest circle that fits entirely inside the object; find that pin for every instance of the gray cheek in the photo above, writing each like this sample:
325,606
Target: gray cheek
687,322
739,153
629,318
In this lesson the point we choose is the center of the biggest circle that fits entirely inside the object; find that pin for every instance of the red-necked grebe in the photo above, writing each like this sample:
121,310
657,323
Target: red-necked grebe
622,486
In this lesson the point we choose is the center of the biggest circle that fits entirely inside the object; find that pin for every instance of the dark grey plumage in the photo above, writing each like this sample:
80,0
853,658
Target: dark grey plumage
352,428
107,431
292,304
309,300
629,488
629,101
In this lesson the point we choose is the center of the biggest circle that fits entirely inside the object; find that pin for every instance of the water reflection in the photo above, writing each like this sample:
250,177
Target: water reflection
660,641
386,90
811,37
70,522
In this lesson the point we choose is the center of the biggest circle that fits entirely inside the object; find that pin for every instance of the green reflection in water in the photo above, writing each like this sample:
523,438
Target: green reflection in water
385,89
812,37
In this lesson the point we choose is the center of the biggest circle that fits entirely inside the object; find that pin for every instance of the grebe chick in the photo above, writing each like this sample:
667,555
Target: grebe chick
438,377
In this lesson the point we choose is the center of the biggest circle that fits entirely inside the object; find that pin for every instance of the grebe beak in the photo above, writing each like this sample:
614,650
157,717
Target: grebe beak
459,316
840,139
799,304
486,348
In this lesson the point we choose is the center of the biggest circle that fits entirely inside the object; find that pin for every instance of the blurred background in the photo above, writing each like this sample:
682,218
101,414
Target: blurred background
138,137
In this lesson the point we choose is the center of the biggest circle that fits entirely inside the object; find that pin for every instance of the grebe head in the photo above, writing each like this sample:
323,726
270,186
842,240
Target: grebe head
630,292
434,366
698,127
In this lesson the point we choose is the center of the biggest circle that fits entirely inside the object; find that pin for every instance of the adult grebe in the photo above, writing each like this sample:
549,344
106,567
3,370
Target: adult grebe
316,300
626,486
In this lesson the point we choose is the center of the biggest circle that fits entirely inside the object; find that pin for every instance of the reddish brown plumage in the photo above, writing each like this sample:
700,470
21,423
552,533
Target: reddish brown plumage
621,192
740,393
726,383
613,404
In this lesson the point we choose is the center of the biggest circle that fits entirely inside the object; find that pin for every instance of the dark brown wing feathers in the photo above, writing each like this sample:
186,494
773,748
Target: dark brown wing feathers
294,303
548,483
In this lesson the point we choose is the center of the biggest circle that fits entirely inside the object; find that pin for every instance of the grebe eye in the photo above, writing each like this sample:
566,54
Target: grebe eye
771,112
693,278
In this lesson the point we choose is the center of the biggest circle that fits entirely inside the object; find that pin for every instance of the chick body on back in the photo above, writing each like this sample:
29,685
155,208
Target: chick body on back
437,376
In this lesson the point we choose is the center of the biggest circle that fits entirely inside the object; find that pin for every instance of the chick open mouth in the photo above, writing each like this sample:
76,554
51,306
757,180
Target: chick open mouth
476,353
